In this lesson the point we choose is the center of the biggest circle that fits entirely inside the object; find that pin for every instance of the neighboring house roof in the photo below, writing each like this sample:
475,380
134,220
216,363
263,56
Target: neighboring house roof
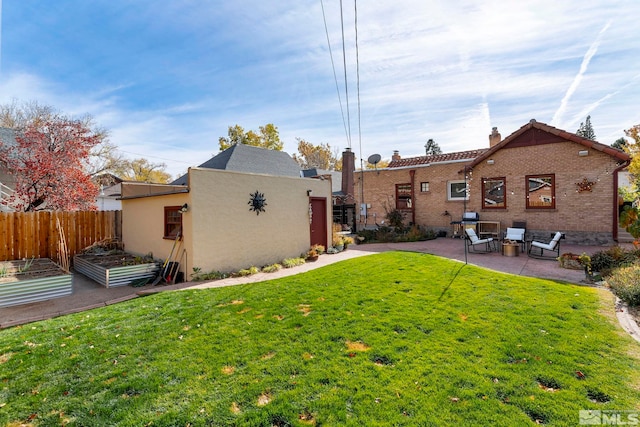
537,133
7,136
136,190
112,191
249,159
107,179
436,158
336,177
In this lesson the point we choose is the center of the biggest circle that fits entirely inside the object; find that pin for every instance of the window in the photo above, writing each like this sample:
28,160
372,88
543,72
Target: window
424,187
541,191
172,221
493,192
457,190
403,196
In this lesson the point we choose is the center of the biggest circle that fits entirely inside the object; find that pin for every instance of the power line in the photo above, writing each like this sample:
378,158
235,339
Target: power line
344,63
355,8
333,66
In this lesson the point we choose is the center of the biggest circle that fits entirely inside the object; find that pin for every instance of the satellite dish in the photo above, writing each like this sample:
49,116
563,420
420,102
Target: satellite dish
374,159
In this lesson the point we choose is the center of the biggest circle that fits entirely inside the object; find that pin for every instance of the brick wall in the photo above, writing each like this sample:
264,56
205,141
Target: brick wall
583,216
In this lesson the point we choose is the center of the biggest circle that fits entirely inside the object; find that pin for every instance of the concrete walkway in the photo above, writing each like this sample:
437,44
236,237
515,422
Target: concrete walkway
88,294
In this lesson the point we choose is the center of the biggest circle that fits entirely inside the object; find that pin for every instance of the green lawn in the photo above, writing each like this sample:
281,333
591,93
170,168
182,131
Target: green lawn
392,339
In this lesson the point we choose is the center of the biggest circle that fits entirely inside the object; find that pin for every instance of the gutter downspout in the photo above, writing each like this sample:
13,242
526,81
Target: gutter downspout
412,174
616,214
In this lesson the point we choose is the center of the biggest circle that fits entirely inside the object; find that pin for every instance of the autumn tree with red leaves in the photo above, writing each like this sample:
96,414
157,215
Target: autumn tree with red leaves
49,161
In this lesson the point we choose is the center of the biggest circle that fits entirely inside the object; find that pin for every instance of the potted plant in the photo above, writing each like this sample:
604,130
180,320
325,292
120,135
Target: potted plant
338,243
570,261
585,261
312,255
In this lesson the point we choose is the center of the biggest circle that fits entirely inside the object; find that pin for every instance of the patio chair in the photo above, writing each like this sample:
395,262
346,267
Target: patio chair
553,246
473,241
516,235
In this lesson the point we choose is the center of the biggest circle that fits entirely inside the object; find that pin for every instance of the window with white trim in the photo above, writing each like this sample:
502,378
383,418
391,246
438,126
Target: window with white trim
457,190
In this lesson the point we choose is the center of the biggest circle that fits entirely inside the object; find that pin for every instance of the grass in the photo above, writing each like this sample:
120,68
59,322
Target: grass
390,339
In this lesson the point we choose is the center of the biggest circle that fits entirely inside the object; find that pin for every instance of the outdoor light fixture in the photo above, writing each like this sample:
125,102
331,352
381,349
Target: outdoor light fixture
309,192
184,208
583,153
490,161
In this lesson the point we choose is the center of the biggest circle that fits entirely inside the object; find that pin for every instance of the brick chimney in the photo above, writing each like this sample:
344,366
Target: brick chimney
495,137
396,155
348,168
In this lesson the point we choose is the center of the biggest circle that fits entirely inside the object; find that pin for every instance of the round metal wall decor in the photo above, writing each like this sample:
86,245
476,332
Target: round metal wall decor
257,202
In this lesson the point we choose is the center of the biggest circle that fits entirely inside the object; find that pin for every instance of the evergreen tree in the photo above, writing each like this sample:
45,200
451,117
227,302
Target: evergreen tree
620,144
586,130
432,147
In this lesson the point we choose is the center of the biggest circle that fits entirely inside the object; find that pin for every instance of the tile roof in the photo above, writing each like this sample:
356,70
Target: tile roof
533,124
437,158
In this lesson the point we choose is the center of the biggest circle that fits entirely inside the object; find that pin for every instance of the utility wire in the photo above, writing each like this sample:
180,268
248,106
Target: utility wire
355,7
333,66
344,63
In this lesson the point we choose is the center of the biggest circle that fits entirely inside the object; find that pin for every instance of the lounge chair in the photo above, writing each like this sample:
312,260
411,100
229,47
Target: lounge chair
473,241
516,235
553,246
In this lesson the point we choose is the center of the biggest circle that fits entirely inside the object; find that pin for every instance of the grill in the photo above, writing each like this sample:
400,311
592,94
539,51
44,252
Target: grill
469,220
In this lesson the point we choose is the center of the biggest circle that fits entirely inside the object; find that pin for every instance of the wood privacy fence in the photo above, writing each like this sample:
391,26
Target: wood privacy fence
35,234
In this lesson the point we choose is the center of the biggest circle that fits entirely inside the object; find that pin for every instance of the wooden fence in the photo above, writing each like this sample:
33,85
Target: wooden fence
35,234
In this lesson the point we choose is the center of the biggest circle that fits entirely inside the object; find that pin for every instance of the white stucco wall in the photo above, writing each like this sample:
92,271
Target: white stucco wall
220,233
227,236
143,228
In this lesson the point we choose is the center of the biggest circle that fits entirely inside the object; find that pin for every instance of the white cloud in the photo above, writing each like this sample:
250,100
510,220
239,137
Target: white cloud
443,70
557,117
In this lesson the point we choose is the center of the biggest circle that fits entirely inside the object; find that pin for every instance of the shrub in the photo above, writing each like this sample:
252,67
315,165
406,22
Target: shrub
395,218
271,268
366,235
603,262
614,257
198,275
385,234
292,262
625,284
248,271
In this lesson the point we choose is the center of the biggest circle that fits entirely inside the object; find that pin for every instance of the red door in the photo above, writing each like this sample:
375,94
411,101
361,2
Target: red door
318,220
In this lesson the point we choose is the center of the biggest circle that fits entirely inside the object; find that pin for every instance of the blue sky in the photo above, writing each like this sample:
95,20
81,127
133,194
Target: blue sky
167,78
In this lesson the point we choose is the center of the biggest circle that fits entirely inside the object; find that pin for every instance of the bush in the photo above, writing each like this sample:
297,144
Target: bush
614,257
625,284
271,268
292,262
198,275
248,271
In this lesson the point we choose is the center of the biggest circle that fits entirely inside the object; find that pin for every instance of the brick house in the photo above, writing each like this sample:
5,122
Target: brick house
549,178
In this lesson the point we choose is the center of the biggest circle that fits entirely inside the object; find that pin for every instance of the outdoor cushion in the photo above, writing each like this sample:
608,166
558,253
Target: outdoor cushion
474,237
515,234
549,246
474,240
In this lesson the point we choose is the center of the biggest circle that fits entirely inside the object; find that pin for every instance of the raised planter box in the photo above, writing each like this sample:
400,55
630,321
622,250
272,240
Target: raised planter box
41,281
109,271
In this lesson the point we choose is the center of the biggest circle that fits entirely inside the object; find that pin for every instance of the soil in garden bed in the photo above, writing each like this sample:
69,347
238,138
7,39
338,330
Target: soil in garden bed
28,269
115,259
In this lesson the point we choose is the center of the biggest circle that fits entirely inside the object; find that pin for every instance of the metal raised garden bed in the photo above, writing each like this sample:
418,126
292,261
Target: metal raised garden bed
114,269
33,280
